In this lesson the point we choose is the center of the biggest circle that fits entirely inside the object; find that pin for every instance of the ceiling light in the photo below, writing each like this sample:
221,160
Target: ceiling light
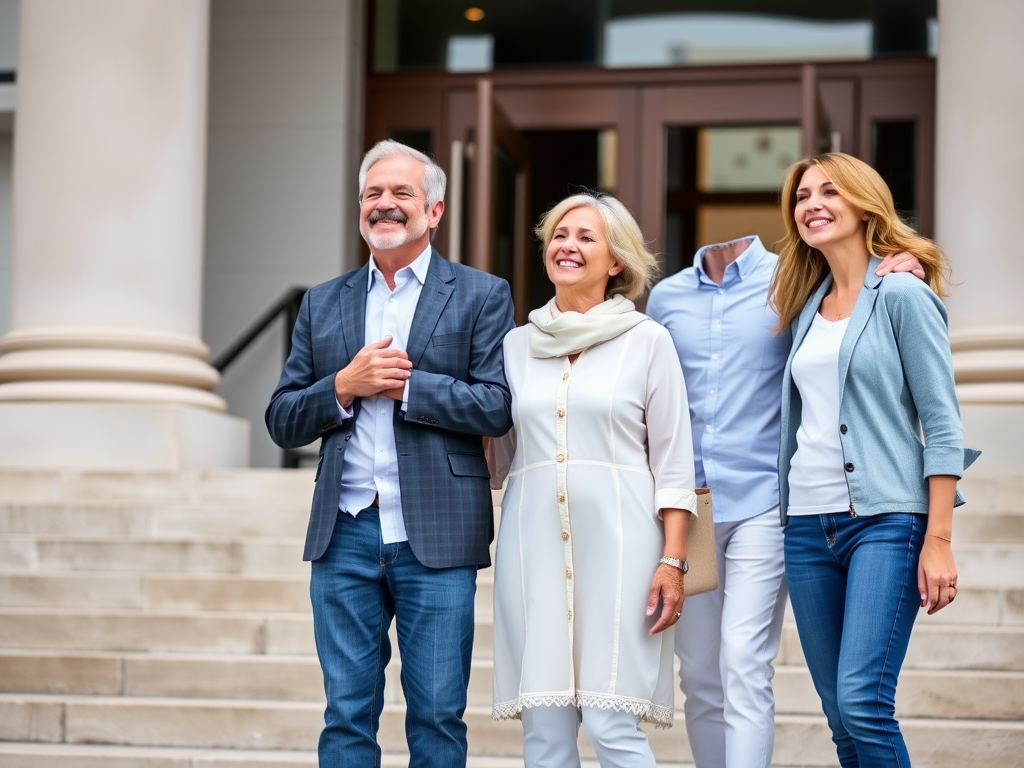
474,14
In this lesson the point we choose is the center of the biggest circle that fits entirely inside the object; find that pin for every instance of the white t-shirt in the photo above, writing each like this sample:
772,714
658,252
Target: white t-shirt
817,479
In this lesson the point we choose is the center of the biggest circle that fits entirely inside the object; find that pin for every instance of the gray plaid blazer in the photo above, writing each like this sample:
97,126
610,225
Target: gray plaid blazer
457,393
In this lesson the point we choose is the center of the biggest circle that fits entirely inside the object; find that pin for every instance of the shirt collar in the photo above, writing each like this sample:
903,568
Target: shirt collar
744,264
419,267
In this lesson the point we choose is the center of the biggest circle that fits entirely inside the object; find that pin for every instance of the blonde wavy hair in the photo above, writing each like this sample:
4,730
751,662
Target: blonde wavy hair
802,268
625,241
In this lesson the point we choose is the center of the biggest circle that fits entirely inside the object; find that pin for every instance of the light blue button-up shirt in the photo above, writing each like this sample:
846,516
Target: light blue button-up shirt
370,462
733,363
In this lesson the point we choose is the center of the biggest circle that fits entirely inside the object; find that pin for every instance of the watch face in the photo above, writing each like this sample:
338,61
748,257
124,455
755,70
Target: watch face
686,567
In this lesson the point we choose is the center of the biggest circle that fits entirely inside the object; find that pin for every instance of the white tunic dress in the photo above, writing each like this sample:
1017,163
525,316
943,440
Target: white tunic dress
601,446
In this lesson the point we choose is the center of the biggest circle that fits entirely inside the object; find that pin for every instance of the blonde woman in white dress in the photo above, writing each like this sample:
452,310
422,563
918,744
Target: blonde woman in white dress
591,549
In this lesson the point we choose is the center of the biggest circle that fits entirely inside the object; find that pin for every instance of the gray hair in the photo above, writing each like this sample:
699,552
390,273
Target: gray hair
434,180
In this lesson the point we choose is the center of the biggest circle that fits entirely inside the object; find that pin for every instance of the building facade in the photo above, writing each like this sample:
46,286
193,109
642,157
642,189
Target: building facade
167,171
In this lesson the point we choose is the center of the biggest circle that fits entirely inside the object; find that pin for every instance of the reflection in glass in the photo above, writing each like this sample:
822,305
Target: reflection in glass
747,159
608,160
674,39
722,223
416,35
470,53
721,183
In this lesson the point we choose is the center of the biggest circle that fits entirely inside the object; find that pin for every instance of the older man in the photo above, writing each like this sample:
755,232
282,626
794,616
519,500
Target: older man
397,368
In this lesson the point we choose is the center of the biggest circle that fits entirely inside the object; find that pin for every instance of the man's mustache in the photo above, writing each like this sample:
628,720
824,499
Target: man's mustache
389,215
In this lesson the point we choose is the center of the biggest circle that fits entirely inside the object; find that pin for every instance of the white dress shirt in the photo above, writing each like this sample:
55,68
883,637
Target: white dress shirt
369,466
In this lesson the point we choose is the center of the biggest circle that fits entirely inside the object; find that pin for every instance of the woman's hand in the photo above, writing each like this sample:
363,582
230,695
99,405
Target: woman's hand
936,574
667,584
936,570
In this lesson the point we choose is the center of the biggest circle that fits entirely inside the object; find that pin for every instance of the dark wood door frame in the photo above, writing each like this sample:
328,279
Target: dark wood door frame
840,100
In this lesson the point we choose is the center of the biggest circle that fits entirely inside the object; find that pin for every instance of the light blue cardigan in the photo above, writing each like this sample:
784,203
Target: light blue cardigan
895,382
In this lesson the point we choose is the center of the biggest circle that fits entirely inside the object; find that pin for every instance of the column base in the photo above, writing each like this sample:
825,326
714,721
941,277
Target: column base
996,430
132,436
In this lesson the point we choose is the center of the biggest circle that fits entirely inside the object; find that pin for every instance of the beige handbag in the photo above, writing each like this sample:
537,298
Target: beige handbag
701,549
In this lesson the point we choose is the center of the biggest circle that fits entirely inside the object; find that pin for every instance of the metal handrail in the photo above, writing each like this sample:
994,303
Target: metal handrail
288,305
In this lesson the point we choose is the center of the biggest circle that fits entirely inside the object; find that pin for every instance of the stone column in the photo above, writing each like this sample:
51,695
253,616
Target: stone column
980,106
103,365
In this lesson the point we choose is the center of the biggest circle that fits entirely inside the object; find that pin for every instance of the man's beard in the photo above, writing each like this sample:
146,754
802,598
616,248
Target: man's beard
385,241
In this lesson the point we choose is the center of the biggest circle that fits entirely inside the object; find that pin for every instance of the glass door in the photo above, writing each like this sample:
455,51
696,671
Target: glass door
698,153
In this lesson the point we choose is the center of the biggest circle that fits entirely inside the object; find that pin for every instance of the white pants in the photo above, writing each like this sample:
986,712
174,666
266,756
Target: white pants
550,733
727,640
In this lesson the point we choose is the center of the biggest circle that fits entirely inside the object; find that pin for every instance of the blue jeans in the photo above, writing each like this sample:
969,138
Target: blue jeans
356,588
853,586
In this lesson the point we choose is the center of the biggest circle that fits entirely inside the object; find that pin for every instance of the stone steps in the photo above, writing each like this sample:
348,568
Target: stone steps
991,604
941,647
236,488
978,564
249,555
142,519
161,620
156,631
292,726
991,695
16,755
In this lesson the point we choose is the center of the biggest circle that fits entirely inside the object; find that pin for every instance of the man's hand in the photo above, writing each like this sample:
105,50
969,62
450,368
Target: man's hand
395,394
375,368
901,262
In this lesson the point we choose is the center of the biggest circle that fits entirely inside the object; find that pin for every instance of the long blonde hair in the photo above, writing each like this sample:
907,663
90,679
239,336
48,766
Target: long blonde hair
802,268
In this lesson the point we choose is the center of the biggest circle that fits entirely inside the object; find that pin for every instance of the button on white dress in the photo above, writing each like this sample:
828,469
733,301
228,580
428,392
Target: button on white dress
600,447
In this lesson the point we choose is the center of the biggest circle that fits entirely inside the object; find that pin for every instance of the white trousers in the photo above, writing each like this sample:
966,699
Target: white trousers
727,640
550,734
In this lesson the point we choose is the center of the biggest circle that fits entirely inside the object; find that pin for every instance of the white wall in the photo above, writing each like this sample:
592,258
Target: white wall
285,132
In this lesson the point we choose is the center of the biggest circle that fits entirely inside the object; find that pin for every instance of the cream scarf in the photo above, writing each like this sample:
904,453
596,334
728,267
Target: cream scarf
556,334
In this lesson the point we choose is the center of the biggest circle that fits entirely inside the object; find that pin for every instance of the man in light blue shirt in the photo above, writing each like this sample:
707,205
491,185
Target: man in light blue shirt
724,332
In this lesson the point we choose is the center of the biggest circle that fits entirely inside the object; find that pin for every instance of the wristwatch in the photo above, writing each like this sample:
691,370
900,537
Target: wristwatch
675,562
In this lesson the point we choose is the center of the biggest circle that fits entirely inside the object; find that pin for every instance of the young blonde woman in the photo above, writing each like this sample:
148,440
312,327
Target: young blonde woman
867,507
591,551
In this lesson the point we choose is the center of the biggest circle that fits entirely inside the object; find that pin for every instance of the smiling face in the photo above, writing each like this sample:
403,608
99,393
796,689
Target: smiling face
578,260
823,217
394,216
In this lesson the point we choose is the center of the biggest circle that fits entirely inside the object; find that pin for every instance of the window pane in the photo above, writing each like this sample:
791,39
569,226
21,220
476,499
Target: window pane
894,153
673,39
413,34
421,140
745,159
721,223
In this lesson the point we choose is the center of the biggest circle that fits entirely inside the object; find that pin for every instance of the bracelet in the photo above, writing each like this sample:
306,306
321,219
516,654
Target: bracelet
936,536
675,562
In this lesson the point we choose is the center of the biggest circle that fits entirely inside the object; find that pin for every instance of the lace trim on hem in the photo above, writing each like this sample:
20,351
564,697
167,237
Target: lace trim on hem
513,710
660,716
